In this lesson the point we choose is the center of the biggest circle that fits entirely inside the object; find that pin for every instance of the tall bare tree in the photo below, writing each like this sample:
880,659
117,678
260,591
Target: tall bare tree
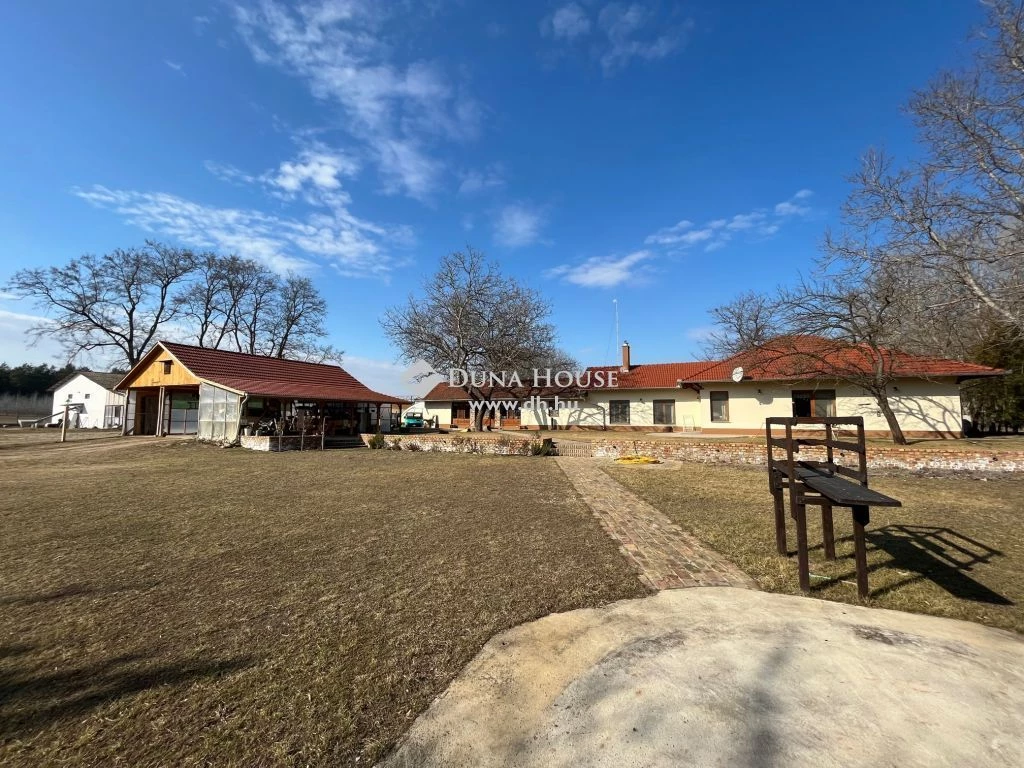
122,302
957,216
116,302
476,319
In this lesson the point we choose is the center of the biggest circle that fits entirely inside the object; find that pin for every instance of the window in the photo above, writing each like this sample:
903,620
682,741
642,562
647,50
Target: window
814,402
719,406
167,367
664,411
618,412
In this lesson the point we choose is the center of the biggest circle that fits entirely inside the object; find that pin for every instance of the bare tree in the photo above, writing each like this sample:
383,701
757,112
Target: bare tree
124,301
298,316
958,215
474,318
116,302
840,325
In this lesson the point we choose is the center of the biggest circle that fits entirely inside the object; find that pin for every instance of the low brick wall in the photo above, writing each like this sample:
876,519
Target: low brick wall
720,452
471,442
712,451
283,443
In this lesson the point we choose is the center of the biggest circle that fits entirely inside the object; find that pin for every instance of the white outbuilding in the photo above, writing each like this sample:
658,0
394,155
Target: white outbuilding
91,400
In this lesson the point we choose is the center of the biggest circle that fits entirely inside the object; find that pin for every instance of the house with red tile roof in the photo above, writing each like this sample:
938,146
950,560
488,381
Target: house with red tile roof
216,394
804,377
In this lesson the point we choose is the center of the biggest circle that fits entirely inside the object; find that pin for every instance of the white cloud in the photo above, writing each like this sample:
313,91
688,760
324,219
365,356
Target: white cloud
398,113
566,23
682,233
316,166
517,225
603,271
635,32
476,181
743,221
180,69
353,246
792,206
715,234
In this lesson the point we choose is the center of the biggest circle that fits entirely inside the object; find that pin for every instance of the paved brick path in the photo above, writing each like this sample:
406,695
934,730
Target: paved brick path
665,556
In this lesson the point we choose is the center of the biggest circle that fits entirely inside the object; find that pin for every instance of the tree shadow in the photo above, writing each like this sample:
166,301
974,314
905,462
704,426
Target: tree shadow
934,553
31,702
71,591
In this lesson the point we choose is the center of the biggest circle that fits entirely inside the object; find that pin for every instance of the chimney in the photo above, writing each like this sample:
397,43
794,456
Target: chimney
625,357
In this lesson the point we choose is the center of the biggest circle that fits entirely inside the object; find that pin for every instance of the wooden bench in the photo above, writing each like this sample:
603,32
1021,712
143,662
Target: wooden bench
825,483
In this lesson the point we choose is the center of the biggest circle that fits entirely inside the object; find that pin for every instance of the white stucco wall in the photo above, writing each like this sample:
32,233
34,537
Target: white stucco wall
92,398
920,406
593,411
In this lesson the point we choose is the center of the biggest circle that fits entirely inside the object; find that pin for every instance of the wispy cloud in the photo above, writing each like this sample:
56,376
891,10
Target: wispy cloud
604,271
796,205
352,246
398,113
618,33
476,181
717,233
566,23
180,69
517,225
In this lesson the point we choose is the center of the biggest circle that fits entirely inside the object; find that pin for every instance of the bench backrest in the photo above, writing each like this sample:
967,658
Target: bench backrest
789,433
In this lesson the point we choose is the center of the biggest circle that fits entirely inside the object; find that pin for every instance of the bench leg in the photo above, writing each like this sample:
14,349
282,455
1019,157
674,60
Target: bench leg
780,523
801,547
861,517
827,533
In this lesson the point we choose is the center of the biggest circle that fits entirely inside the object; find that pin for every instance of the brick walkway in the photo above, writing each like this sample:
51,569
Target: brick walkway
665,556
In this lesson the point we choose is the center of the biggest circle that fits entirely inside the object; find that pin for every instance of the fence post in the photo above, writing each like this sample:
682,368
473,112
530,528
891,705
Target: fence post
64,424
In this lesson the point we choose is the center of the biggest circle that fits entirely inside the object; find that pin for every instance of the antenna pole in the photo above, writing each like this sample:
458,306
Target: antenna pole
615,303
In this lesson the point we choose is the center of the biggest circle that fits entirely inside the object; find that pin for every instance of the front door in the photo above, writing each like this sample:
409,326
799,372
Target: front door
146,424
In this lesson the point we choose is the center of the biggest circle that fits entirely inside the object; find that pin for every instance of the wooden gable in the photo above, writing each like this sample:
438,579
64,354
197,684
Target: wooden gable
159,368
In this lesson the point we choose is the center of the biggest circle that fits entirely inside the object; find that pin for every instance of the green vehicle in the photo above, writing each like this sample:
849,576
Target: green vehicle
413,419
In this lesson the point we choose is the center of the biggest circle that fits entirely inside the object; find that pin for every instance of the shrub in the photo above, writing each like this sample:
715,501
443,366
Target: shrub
410,446
377,442
545,448
396,444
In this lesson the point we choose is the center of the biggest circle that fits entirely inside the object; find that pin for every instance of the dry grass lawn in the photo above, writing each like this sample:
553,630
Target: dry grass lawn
168,603
955,548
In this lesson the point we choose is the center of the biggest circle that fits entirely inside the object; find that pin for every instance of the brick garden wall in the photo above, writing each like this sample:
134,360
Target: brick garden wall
716,452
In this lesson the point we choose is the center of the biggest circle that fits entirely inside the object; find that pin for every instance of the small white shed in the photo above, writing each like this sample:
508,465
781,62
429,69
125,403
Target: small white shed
95,403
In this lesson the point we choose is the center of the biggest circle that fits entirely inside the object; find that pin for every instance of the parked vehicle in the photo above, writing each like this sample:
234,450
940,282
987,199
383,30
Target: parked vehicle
413,419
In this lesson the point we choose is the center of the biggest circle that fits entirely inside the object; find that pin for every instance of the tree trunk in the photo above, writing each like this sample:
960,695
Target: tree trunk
882,398
478,419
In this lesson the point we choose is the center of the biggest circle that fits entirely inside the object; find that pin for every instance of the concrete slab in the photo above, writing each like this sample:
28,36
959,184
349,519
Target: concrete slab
731,677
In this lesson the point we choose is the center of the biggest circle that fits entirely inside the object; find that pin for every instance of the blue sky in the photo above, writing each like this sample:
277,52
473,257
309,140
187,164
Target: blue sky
666,155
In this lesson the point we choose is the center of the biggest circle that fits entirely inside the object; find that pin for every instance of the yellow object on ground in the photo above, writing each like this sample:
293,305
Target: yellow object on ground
638,460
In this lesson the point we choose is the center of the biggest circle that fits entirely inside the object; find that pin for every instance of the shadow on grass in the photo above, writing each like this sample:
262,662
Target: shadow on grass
937,554
72,591
31,702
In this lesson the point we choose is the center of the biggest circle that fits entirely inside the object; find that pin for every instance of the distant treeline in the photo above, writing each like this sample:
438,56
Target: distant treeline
29,379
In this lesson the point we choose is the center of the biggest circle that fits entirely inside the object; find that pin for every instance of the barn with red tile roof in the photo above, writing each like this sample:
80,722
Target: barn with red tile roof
213,393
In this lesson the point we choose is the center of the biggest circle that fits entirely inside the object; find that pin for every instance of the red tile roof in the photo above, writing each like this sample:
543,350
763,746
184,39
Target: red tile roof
271,376
811,357
786,359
